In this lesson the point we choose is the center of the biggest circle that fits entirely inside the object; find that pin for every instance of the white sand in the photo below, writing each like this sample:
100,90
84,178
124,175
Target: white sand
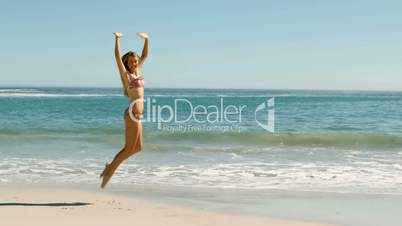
106,209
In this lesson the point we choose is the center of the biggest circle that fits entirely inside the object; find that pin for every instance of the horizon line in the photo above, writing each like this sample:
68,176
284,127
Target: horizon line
211,88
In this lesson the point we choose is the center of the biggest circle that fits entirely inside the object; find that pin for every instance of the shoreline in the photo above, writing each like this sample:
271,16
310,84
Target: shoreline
56,204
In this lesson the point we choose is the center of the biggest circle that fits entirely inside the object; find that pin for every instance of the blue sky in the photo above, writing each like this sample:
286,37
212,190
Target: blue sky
208,44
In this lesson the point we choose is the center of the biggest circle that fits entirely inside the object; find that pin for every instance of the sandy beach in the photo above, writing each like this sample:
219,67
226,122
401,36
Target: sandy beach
46,206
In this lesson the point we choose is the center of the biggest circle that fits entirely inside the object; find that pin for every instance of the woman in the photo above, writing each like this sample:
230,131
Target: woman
133,84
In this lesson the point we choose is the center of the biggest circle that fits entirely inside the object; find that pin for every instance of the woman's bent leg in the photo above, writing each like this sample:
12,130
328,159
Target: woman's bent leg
133,135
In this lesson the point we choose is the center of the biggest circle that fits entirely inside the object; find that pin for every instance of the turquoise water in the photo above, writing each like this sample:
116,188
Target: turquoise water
337,141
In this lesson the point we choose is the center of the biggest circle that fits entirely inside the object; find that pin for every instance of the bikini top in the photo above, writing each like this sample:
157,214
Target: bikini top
136,82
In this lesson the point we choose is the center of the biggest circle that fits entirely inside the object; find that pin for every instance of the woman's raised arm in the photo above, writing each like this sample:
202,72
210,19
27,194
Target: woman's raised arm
144,53
120,65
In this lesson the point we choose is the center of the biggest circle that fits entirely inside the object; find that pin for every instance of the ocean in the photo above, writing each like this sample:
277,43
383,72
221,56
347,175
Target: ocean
332,156
338,141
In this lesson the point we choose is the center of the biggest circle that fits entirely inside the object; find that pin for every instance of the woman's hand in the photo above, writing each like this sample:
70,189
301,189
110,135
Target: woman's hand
117,34
143,35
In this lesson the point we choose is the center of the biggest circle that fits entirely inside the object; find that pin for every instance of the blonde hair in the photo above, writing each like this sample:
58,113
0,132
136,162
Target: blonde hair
125,58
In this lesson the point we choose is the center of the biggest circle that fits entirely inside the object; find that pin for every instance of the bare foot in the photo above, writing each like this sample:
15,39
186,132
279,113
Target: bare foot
106,175
106,179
